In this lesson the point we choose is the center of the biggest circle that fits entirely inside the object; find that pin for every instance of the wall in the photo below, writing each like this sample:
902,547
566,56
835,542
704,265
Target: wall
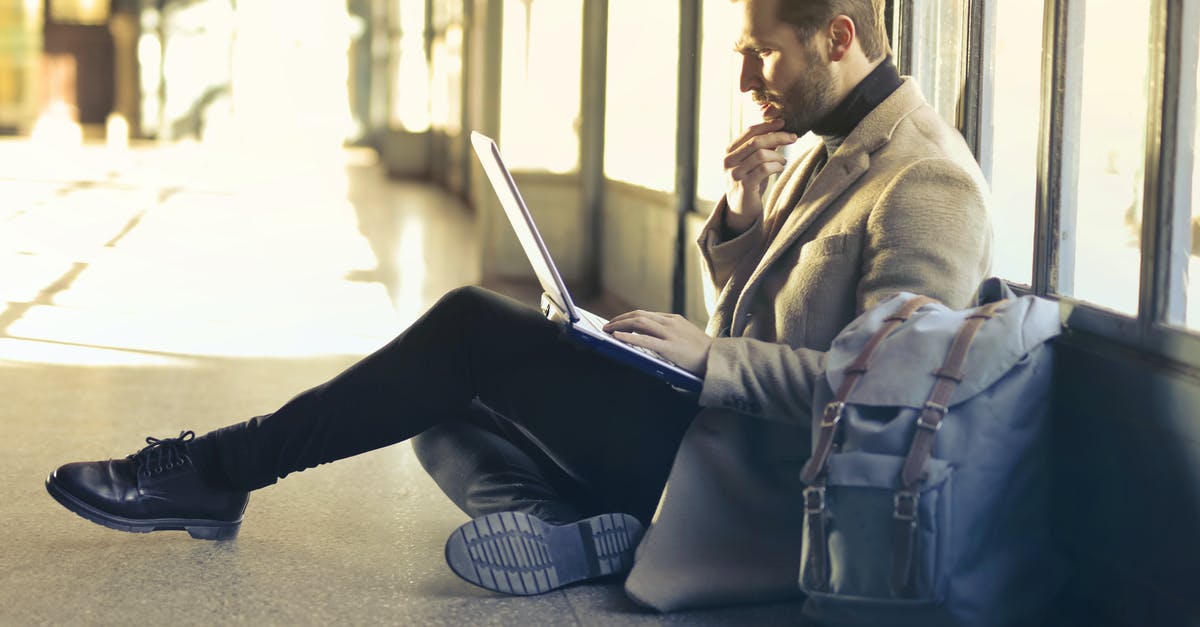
637,245
1128,484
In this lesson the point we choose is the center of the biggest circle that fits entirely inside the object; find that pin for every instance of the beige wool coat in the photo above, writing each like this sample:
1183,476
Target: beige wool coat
901,206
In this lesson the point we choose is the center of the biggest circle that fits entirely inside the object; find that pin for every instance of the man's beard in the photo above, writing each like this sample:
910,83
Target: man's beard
807,101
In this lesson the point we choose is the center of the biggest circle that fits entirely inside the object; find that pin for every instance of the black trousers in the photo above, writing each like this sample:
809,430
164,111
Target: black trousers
506,415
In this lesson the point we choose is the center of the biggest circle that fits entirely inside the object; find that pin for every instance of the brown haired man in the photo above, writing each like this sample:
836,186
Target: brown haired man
562,455
891,201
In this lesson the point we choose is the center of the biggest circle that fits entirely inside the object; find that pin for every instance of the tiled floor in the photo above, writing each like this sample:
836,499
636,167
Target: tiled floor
175,288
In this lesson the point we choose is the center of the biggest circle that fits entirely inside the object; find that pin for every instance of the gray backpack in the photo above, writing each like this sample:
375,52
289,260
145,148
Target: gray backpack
927,499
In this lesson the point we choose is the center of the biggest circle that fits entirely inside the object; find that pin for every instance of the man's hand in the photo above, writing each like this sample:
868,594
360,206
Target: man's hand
669,335
749,161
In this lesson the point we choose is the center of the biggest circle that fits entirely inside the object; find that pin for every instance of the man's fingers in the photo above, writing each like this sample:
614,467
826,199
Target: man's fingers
638,313
640,339
753,159
644,325
750,174
769,142
756,129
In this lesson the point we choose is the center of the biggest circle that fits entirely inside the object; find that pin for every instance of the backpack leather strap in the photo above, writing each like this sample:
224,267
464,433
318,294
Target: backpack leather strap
833,411
929,421
815,573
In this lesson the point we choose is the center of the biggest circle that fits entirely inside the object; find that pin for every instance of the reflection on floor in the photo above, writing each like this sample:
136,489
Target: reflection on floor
173,288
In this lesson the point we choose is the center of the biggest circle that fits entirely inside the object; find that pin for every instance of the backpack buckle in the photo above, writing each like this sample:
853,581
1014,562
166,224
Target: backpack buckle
814,500
904,506
936,408
832,414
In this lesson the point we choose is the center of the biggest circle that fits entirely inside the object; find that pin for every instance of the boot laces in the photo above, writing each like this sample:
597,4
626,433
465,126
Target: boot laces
161,455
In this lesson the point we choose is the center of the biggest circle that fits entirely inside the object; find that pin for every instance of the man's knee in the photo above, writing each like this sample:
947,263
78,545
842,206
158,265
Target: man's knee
467,297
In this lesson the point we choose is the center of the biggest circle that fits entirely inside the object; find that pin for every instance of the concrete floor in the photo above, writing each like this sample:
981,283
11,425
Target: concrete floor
172,288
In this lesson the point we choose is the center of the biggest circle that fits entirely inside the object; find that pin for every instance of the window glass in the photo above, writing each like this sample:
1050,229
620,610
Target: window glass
446,69
542,64
1193,301
938,62
641,92
1111,144
1015,115
410,86
722,110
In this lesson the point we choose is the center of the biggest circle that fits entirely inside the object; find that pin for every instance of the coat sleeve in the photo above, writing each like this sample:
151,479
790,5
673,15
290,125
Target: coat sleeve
719,256
927,234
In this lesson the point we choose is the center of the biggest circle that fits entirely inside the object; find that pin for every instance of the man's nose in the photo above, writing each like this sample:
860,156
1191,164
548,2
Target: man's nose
750,78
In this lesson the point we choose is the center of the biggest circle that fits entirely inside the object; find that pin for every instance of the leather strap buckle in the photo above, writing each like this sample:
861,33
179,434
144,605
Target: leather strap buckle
936,408
904,506
832,414
814,500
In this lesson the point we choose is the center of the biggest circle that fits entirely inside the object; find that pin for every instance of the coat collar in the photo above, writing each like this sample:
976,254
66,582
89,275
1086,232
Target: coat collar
795,208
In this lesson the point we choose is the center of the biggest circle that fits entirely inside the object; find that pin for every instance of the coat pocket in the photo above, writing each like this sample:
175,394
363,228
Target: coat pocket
823,246
859,525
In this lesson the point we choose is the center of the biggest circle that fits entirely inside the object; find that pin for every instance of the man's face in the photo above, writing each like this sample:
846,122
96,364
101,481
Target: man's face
788,77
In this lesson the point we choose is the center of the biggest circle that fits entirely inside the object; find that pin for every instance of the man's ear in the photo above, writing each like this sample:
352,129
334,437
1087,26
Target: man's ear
841,37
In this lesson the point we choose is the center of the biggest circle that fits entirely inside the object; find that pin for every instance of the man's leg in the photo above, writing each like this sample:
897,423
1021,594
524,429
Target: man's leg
472,344
602,421
485,464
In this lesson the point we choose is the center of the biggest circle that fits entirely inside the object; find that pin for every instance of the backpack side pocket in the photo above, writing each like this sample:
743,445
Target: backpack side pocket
860,513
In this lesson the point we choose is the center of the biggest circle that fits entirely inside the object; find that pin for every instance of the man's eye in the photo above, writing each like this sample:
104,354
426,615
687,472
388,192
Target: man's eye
764,52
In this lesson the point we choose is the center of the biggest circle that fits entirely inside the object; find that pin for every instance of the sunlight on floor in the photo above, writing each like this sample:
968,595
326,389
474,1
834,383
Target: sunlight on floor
190,250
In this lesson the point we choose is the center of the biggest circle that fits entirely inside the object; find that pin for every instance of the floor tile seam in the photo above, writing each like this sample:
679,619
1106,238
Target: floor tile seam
571,606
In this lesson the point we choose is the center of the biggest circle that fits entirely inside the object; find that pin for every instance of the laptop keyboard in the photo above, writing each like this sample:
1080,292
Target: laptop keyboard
598,323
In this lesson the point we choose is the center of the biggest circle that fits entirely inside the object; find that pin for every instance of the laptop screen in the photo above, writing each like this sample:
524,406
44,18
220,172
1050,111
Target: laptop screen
522,222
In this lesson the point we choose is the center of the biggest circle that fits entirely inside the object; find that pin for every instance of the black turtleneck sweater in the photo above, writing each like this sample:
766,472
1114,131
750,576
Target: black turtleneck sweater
860,102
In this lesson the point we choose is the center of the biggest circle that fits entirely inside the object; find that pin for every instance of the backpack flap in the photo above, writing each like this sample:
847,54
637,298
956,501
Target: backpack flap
902,368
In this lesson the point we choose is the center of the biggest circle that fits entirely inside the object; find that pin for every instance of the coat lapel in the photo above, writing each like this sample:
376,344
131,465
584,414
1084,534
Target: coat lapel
840,172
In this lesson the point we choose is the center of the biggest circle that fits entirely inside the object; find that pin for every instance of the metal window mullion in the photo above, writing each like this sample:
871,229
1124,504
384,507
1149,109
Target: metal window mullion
1058,153
976,104
685,144
591,133
1170,130
902,28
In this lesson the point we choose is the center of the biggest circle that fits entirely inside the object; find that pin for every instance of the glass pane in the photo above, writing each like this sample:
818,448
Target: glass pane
1193,301
722,109
641,99
1112,149
937,55
1015,114
410,85
446,67
542,64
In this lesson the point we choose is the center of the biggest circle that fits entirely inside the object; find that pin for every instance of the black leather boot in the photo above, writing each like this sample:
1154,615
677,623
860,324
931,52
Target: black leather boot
155,489
517,553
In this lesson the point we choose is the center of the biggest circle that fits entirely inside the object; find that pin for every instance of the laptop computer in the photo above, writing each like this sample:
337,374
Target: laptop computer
580,325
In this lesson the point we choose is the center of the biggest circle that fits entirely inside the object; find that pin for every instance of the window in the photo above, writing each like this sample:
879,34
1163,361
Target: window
1193,301
446,69
641,93
1015,114
410,88
938,61
540,82
722,110
1111,156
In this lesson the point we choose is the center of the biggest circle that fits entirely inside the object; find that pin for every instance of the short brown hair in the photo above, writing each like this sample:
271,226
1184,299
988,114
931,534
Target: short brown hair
810,16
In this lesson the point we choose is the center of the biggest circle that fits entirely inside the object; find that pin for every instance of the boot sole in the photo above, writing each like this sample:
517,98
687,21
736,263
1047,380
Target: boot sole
200,529
519,554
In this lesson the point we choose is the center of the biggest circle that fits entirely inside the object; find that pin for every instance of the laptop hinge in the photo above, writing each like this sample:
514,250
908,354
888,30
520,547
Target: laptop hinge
553,311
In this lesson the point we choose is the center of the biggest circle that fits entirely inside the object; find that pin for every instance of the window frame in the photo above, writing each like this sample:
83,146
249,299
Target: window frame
1157,330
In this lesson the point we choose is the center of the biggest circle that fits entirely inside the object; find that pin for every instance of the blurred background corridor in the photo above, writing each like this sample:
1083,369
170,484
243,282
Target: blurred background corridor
195,225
